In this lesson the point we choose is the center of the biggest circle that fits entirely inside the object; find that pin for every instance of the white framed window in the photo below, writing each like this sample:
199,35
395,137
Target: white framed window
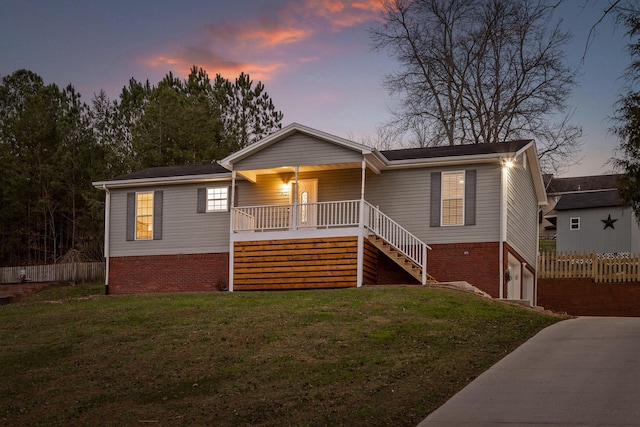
574,223
218,199
144,216
452,198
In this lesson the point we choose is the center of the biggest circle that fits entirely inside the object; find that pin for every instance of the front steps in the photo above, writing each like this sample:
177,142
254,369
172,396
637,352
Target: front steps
399,258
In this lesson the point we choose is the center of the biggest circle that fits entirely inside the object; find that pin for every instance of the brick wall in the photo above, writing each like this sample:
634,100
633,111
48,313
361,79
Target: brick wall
476,263
584,297
168,273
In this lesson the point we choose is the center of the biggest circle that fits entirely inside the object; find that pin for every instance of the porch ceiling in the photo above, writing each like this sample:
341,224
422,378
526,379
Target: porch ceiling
252,174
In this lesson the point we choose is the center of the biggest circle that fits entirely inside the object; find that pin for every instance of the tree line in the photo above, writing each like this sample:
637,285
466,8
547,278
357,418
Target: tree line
53,145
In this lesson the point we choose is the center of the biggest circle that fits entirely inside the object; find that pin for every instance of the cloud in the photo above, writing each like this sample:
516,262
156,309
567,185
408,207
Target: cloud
214,64
340,14
261,44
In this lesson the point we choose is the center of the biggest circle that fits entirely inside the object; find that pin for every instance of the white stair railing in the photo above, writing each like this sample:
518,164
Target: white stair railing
397,236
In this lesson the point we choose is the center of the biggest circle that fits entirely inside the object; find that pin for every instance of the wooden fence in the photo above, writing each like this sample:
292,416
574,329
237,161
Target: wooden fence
599,267
75,272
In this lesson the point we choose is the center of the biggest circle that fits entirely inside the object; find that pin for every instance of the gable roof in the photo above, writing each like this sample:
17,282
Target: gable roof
582,183
589,199
376,160
295,128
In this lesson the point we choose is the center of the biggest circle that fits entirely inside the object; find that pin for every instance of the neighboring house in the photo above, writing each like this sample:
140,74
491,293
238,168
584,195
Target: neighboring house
585,214
596,221
305,209
557,187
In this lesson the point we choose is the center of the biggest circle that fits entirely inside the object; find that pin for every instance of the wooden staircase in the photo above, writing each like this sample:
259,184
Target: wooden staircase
401,259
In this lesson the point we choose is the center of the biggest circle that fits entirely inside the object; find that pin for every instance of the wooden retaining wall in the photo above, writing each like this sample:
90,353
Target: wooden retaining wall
296,264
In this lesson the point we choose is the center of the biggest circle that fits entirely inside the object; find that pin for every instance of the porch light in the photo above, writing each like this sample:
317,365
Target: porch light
284,189
508,163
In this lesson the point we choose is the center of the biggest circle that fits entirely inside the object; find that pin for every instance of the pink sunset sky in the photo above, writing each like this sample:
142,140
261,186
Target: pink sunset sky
314,56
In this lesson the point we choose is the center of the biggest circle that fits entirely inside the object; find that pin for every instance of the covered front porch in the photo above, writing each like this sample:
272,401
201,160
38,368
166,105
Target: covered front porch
300,219
318,245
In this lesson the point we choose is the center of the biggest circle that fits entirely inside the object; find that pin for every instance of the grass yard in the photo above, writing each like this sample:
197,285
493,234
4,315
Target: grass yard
354,357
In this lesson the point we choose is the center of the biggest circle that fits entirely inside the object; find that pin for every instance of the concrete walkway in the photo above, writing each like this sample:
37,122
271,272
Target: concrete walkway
579,372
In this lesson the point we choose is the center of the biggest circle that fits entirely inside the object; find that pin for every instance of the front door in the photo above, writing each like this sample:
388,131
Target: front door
307,199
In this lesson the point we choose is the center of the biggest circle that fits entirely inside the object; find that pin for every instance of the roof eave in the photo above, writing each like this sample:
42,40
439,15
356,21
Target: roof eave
446,161
536,172
147,182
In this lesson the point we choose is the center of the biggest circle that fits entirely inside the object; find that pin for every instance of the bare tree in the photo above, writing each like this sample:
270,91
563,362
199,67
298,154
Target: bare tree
385,138
480,72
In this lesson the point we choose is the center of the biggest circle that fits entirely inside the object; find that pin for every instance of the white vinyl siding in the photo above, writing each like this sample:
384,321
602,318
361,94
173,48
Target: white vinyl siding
334,185
298,149
405,196
522,212
183,229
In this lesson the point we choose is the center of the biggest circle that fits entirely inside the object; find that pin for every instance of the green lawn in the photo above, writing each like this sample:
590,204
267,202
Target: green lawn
369,356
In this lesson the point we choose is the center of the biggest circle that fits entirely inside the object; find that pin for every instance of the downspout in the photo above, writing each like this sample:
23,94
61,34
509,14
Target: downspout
535,274
107,210
503,222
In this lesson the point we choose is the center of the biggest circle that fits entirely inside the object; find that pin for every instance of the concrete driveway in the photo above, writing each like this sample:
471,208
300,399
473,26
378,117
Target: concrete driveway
579,372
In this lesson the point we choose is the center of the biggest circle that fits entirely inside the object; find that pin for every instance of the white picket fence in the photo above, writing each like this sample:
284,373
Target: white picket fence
73,272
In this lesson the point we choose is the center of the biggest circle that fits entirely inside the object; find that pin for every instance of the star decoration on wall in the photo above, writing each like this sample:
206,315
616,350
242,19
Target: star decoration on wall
608,223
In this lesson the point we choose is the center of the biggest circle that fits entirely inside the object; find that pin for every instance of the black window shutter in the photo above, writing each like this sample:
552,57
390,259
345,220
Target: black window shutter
470,197
434,216
229,198
131,216
157,215
202,200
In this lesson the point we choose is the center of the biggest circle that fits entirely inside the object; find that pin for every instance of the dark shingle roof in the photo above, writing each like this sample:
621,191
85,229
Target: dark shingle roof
171,171
591,199
455,150
582,183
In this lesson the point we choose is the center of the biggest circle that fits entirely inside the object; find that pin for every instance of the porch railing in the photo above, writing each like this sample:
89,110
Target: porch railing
293,216
397,236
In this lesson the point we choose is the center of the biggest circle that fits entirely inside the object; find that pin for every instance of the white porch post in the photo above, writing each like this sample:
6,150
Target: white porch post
231,227
294,217
361,235
362,181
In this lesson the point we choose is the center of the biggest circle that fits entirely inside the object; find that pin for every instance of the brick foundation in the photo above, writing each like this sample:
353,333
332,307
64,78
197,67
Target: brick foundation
168,273
476,263
584,297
